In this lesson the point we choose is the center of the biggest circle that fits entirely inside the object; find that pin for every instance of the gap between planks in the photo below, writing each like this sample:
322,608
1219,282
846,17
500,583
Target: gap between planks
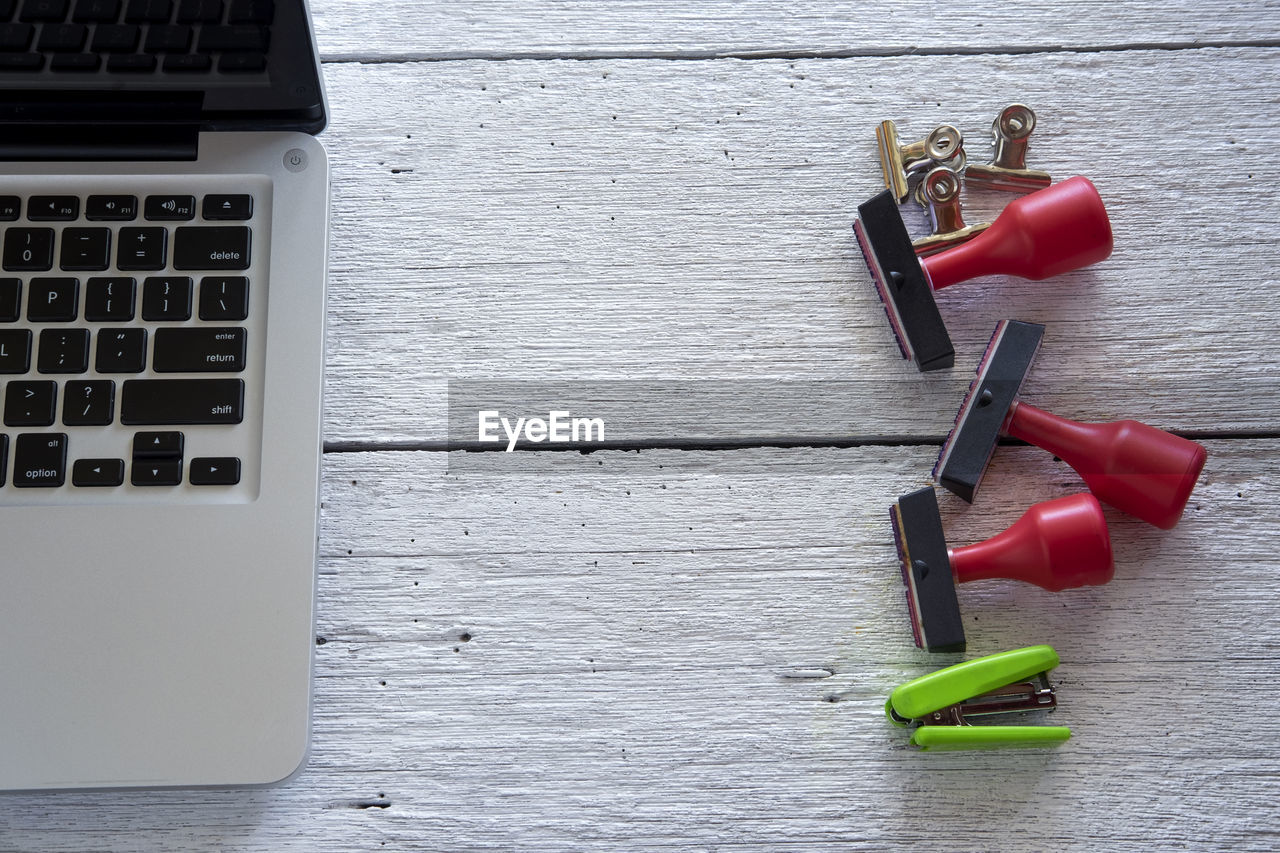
765,54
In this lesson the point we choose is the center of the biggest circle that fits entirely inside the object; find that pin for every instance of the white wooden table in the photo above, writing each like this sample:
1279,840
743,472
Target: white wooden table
687,643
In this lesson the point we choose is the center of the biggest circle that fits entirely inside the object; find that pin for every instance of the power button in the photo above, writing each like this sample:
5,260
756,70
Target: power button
295,159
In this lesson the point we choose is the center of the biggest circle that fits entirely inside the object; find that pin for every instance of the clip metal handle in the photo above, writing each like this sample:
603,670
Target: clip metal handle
940,193
1008,169
944,146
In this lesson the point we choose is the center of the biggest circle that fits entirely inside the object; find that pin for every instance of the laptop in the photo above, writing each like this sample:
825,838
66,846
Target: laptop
163,217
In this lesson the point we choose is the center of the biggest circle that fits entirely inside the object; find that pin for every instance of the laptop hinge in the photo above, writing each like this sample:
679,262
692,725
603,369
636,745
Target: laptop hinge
99,126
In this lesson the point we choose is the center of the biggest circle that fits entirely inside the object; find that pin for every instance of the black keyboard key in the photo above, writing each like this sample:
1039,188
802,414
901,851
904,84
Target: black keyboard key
86,248
30,403
199,350
4,457
53,300
199,11
217,247
44,10
157,445
15,350
166,298
40,460
169,208
191,62
214,471
182,401
156,472
97,472
228,207
115,38
28,249
243,37
62,37
96,11
109,299
242,63
148,11
75,62
168,39
251,11
6,11
89,402
11,299
63,351
52,208
10,207
142,248
121,351
131,62
21,62
111,208
223,298
15,36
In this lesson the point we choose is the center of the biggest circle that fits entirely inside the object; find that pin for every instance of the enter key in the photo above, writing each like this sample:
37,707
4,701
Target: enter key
200,350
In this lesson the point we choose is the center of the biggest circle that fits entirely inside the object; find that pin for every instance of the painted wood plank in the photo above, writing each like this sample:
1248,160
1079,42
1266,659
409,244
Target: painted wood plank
647,220
629,653
453,29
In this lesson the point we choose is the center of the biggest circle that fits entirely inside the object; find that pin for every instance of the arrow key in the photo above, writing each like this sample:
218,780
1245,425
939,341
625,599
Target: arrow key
156,472
214,471
157,445
97,472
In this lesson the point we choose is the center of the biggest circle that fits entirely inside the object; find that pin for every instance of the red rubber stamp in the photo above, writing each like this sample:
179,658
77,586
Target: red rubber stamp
1048,232
1136,468
1058,544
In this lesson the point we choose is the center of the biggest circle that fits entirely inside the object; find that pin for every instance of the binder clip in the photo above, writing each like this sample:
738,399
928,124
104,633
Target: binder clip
1008,169
1049,232
1056,545
944,145
940,705
1136,468
939,192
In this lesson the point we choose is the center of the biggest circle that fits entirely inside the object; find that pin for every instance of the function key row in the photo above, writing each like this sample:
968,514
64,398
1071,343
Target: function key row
113,299
195,247
129,62
140,11
124,208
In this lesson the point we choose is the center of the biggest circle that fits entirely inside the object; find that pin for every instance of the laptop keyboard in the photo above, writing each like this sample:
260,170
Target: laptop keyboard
131,335
135,36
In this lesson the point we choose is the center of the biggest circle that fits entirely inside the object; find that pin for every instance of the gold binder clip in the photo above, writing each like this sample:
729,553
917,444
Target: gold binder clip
943,146
940,193
1008,170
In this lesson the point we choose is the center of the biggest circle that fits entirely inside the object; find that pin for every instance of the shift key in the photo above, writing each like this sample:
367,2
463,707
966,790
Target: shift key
212,247
182,401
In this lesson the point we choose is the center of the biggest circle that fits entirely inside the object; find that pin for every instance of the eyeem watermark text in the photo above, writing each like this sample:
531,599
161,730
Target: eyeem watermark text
557,426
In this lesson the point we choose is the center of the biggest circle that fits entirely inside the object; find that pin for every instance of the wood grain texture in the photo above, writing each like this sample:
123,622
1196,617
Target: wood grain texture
654,221
625,655
396,29
690,650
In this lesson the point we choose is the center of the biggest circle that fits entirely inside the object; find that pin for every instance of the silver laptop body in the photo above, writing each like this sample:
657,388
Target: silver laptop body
159,631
